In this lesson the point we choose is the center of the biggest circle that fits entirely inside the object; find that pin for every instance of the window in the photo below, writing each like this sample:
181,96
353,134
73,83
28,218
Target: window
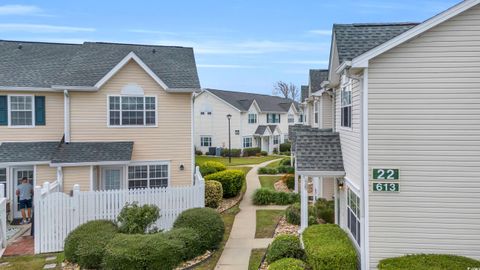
346,105
291,118
237,132
21,110
206,141
353,215
302,118
252,118
273,118
247,142
3,179
202,113
276,139
132,111
315,111
148,176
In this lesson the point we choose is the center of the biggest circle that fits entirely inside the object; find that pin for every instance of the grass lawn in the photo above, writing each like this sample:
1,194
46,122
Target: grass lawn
268,181
256,257
31,262
267,221
228,218
246,169
235,160
274,164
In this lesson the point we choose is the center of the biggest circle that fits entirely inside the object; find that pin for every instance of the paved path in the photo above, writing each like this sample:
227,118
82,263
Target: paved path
242,237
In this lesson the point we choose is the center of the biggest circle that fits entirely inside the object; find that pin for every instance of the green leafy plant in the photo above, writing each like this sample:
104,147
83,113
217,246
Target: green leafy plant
325,210
285,246
138,219
191,242
265,196
213,193
289,180
286,169
285,147
427,262
251,152
231,180
287,264
267,170
209,167
207,222
86,244
286,162
198,153
264,153
292,214
235,152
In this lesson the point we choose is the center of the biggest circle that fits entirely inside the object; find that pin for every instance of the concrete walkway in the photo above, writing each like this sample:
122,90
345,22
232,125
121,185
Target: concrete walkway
242,237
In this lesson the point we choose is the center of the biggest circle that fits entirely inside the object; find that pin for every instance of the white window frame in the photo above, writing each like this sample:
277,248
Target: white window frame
274,122
316,106
346,87
356,214
253,119
144,112
291,118
244,141
276,138
148,164
202,140
9,117
5,182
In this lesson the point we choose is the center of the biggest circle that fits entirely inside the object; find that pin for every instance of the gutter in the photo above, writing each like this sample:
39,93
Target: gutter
343,66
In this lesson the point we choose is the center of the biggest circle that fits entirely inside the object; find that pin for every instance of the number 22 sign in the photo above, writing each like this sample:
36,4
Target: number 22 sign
386,174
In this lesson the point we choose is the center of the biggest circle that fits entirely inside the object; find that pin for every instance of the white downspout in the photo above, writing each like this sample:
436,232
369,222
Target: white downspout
66,115
364,213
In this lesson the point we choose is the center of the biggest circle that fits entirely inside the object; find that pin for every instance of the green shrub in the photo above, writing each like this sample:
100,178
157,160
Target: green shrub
275,151
284,246
143,251
282,198
235,152
267,170
86,244
207,222
198,153
327,246
231,180
286,162
251,152
428,261
213,193
265,196
287,264
264,153
285,147
137,219
292,214
325,210
285,153
191,242
210,167
290,181
285,169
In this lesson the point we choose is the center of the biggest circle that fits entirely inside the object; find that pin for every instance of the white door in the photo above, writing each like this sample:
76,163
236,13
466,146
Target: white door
18,174
112,178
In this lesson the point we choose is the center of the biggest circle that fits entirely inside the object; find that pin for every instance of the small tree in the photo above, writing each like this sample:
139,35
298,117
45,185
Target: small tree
286,90
135,219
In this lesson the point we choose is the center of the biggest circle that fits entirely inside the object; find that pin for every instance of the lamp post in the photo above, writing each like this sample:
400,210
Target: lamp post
229,116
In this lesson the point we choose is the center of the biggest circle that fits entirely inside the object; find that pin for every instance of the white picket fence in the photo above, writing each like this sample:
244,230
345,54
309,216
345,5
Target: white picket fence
57,214
3,217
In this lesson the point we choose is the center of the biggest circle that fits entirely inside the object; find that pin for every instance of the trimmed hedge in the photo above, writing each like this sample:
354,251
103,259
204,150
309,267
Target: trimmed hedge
327,247
198,153
287,264
284,246
325,210
292,214
191,242
235,152
265,196
267,170
86,244
264,153
231,180
286,162
427,262
286,169
251,152
213,193
285,147
210,167
207,222
143,251
137,219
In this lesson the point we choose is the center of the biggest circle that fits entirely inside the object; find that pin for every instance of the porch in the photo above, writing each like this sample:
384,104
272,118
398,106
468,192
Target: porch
267,138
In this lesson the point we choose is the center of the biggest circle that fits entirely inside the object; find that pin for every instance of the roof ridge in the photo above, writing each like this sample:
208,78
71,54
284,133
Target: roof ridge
250,93
376,24
40,42
134,44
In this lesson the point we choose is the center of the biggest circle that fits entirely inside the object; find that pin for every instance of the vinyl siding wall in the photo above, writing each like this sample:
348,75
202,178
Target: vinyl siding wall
52,131
76,175
326,111
45,173
170,141
424,118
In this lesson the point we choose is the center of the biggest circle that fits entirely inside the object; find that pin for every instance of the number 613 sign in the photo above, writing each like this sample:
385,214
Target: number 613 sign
385,174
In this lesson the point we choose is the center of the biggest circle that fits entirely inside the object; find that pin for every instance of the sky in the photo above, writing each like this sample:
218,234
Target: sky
241,45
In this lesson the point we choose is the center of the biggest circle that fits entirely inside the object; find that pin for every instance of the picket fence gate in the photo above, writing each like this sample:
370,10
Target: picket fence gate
57,214
3,217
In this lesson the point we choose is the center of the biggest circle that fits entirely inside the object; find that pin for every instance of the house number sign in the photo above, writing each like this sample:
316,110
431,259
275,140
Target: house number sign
384,175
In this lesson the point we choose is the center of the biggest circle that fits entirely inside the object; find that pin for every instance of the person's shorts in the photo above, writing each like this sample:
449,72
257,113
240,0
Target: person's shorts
25,204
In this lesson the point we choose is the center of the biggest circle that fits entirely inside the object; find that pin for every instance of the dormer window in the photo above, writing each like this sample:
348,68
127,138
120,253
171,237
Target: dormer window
132,111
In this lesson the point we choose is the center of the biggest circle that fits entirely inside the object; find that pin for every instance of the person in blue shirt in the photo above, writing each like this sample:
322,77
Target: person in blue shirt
24,193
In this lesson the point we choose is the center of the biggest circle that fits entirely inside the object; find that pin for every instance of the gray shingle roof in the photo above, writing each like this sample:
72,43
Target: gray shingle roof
243,101
318,151
260,130
353,40
38,64
304,92
78,152
317,76
27,151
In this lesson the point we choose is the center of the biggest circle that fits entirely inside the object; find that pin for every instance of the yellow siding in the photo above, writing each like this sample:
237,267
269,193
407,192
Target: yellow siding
52,131
328,188
424,116
76,175
326,113
45,173
171,140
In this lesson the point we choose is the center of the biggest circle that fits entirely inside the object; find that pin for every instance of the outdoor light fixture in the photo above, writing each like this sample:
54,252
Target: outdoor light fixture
229,116
340,184
182,167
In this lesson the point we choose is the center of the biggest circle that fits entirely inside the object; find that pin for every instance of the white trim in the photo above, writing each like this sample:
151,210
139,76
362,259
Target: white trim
122,63
9,111
32,89
75,88
22,163
321,173
362,60
181,90
364,210
101,163
343,66
91,177
230,105
66,115
192,134
148,164
352,185
144,112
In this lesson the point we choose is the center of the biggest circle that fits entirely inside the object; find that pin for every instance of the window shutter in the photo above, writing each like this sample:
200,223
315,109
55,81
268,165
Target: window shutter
39,110
3,111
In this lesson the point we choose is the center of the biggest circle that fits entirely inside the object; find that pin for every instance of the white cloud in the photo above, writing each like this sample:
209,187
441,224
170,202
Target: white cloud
224,66
320,32
41,28
20,10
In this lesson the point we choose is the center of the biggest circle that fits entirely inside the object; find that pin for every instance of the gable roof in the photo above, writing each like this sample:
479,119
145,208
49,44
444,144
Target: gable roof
27,151
82,152
319,151
242,101
39,64
304,92
353,40
317,76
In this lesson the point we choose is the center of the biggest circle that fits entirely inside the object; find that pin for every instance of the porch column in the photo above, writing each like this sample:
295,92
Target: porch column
270,145
296,182
303,203
60,177
316,188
